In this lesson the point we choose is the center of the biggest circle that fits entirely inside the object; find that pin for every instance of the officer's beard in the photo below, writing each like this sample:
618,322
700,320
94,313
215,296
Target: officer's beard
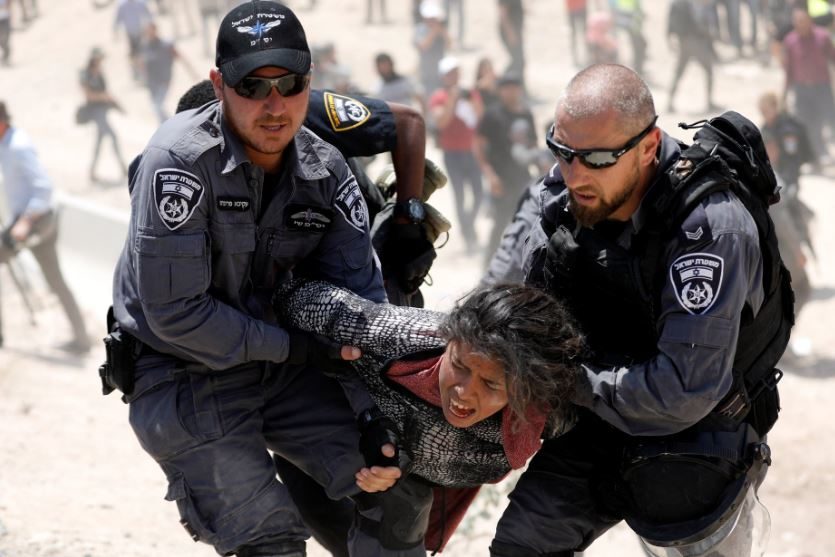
589,216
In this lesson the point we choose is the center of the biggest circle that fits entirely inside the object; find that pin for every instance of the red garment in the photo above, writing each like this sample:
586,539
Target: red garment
520,442
807,58
456,136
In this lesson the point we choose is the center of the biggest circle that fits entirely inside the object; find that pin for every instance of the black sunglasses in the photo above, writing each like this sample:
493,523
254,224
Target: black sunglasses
594,158
259,88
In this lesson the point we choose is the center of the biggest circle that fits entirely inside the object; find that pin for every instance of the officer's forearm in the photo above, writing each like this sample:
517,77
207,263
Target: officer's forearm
216,334
409,153
653,397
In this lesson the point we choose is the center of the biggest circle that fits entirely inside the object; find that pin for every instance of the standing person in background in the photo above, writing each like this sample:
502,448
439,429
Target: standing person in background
785,140
511,31
455,113
601,42
807,53
33,223
485,82
99,101
393,86
432,42
5,30
629,16
157,62
576,10
689,36
132,15
733,24
788,148
498,130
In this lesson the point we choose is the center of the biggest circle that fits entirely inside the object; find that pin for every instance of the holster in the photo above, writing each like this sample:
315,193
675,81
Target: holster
121,349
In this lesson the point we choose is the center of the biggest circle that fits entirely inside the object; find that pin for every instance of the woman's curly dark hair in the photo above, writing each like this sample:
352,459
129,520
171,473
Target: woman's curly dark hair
530,334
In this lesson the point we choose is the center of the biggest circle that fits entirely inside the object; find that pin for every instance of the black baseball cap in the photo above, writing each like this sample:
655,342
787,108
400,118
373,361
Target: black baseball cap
257,34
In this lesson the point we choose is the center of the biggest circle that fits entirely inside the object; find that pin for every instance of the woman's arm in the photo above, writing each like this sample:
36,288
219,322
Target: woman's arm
381,330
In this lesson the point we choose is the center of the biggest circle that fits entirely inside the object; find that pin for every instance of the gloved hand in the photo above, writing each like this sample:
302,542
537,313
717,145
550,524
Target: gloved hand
560,258
407,255
376,431
318,352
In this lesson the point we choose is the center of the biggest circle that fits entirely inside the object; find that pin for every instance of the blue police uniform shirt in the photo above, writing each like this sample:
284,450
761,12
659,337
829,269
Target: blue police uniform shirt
714,269
199,266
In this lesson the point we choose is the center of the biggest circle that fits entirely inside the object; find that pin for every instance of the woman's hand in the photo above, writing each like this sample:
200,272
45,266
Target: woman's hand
379,478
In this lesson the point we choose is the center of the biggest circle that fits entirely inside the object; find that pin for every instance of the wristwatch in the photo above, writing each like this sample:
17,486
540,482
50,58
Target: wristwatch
412,208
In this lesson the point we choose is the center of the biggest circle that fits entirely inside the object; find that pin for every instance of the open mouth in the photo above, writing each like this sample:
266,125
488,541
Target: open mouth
459,410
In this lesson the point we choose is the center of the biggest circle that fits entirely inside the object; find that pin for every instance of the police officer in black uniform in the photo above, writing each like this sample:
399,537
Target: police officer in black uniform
669,436
358,126
227,202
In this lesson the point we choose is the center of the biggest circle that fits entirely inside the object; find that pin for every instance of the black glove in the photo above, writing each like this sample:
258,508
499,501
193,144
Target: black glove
316,351
560,258
376,430
407,255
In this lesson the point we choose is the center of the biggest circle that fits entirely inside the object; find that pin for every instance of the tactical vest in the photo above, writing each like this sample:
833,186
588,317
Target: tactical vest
615,293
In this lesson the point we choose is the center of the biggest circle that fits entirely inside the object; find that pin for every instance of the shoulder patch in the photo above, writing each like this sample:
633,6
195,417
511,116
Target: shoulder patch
177,194
345,113
697,279
350,203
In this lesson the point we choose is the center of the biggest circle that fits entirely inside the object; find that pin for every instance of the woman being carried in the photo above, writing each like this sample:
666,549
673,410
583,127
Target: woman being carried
472,393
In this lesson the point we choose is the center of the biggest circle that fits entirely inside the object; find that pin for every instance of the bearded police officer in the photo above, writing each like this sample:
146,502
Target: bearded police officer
227,202
678,314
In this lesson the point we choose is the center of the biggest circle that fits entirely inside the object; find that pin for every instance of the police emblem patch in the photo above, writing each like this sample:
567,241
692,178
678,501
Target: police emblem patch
349,202
697,278
177,194
345,113
306,217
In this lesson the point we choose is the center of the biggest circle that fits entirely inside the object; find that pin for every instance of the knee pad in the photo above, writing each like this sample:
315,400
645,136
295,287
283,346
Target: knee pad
405,515
273,549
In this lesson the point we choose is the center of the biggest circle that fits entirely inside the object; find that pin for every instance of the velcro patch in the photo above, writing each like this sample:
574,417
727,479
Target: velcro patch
350,203
697,279
177,194
241,204
345,113
298,216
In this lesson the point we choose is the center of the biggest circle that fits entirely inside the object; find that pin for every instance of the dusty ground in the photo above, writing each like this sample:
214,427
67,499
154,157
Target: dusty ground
73,480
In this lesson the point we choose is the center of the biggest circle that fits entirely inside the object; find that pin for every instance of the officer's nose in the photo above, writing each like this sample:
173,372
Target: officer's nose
575,173
275,102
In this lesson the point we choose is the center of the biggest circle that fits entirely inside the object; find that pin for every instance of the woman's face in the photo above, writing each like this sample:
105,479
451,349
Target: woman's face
472,386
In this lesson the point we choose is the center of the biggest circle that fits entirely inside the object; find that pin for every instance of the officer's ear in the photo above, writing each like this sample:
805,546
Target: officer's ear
648,147
217,83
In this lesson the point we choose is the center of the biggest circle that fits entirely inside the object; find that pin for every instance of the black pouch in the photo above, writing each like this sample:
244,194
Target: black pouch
684,476
121,349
